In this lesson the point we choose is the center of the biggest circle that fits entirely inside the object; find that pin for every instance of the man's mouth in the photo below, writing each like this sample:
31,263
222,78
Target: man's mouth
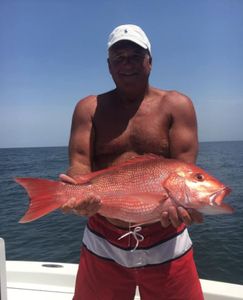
128,74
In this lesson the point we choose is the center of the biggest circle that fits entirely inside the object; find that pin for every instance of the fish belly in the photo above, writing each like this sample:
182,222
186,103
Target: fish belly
133,208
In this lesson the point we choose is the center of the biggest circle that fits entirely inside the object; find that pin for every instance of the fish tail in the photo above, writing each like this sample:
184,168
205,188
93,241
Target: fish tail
45,196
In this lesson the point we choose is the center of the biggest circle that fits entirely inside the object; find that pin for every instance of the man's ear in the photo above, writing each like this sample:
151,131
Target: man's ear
109,64
150,62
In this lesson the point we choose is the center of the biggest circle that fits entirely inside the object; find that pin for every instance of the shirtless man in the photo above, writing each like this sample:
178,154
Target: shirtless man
131,120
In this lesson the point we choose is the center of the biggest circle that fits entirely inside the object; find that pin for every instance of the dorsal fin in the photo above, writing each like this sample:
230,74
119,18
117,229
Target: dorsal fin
134,160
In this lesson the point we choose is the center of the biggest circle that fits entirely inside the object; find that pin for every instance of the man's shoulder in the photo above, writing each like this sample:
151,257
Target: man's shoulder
173,101
168,94
87,101
174,98
86,106
173,95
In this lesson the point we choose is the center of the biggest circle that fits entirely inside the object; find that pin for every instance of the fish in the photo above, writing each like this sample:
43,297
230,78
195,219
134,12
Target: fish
135,191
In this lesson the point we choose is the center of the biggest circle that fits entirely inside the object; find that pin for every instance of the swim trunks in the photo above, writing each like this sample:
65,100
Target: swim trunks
115,260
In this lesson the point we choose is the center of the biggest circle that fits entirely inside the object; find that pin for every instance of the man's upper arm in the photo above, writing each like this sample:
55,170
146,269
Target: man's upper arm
81,138
183,132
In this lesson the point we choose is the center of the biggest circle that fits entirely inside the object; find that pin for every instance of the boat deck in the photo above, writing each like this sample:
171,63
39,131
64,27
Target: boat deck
55,281
35,280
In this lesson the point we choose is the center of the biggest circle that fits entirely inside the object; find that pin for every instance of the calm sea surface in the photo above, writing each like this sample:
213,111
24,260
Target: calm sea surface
218,243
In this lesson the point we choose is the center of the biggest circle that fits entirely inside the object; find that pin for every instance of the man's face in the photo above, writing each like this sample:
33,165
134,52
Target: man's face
129,64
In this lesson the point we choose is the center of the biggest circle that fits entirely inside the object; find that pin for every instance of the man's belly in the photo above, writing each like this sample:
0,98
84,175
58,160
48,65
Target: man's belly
119,223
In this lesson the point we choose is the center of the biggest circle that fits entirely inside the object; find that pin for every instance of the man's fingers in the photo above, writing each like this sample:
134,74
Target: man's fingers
196,216
88,207
67,179
69,205
174,218
165,222
178,215
184,216
170,217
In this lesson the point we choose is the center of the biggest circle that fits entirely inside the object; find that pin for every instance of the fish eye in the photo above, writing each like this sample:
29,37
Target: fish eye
199,177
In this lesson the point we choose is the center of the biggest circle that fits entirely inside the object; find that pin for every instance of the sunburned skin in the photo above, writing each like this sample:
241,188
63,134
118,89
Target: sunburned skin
130,132
131,120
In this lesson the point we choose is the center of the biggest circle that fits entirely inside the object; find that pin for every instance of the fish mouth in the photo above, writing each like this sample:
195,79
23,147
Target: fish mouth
217,197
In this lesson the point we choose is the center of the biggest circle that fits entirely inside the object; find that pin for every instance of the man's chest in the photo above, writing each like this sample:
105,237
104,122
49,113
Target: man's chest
142,133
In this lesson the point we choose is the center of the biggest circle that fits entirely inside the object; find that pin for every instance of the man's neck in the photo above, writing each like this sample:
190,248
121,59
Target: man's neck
128,98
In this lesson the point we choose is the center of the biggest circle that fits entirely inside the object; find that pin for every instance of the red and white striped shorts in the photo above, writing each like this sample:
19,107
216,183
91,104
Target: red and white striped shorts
162,265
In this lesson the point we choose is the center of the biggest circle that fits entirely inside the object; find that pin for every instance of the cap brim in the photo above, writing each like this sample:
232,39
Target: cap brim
132,39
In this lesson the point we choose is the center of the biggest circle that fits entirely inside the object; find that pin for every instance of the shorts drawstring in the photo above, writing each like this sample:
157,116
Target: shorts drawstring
136,235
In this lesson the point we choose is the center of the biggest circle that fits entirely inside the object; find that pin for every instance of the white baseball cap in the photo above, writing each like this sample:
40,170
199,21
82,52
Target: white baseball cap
131,33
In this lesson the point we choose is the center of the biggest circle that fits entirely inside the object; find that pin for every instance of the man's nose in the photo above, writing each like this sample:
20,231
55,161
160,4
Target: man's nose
127,60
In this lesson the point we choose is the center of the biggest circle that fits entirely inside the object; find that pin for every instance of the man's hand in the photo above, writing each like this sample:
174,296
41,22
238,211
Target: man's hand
67,179
178,215
87,207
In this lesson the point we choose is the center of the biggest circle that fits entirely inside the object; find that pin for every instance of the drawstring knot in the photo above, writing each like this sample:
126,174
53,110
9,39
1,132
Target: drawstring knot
136,235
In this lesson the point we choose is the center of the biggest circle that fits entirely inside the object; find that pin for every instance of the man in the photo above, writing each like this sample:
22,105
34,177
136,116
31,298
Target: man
131,120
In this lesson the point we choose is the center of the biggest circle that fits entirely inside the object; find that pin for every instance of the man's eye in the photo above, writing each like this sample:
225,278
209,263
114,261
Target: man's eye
118,59
133,58
137,57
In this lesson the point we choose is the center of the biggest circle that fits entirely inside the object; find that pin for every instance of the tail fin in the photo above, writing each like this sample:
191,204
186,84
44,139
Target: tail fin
45,196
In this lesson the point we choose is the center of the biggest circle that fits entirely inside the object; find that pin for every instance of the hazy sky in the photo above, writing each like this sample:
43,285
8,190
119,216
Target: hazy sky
53,53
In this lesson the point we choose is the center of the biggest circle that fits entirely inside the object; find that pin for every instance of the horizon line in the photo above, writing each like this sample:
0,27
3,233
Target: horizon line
63,146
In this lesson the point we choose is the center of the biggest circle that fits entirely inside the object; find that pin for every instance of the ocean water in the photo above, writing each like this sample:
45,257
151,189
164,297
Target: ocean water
218,242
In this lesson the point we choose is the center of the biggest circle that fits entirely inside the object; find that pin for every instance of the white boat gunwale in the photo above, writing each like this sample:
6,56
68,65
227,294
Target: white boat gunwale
36,276
55,281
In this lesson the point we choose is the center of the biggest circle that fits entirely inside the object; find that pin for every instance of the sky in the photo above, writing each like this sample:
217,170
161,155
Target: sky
53,53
